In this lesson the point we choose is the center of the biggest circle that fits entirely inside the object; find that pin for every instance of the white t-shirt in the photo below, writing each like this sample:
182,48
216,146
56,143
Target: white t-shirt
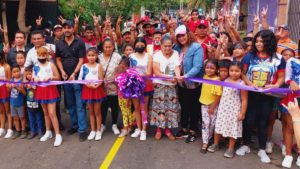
166,65
31,58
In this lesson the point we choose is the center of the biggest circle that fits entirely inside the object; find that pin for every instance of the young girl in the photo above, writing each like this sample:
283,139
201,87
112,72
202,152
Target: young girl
260,67
127,50
231,111
292,79
5,75
17,95
142,61
47,96
93,93
20,58
125,104
34,110
209,98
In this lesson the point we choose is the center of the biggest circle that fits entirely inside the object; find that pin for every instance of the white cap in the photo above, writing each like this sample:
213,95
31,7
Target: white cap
180,30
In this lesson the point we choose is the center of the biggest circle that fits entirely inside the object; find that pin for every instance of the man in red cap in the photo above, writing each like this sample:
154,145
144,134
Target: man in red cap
201,34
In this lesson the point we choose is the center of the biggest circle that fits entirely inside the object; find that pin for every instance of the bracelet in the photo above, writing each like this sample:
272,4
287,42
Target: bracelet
296,121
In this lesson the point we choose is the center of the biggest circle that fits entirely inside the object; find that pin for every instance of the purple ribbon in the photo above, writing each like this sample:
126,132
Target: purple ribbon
197,80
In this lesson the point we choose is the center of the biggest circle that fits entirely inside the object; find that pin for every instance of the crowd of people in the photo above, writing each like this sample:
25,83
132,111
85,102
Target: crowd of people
175,50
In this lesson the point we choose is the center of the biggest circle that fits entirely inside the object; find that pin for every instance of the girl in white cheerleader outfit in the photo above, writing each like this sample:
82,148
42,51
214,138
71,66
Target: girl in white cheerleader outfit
93,93
47,96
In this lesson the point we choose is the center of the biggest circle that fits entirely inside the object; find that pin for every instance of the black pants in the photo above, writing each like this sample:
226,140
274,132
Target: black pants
190,107
258,113
58,113
112,102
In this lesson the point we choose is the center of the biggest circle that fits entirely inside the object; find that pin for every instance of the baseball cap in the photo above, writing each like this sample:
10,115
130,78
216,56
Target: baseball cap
152,23
57,27
203,22
68,23
180,30
285,27
126,30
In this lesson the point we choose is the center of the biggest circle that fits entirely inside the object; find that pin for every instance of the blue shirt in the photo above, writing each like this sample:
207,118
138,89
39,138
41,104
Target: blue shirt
261,71
16,97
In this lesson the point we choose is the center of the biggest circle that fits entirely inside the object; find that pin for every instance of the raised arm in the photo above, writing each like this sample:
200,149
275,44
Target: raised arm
76,23
264,22
118,30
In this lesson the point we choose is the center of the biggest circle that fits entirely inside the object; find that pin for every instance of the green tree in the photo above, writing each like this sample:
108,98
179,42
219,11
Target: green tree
114,7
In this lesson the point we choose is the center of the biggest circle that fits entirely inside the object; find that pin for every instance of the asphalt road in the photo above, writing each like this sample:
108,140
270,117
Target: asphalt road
133,154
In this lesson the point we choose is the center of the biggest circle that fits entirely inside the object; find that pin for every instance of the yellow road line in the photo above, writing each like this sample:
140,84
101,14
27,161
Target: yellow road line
112,153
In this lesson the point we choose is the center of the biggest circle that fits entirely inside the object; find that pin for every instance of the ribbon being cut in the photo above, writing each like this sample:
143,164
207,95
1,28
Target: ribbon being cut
132,85
138,84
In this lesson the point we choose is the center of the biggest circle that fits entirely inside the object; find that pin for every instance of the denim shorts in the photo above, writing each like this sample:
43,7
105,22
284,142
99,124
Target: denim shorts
17,111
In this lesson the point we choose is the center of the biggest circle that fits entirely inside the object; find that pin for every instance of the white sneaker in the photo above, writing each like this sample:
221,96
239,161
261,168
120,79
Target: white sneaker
2,132
9,133
269,147
115,129
103,128
58,140
92,135
283,150
298,161
287,161
98,135
243,150
263,156
143,136
123,133
46,136
136,133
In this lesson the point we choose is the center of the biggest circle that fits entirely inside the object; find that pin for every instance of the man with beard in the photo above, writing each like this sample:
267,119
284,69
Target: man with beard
70,52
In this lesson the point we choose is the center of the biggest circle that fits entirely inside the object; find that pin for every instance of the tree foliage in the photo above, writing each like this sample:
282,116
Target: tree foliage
114,8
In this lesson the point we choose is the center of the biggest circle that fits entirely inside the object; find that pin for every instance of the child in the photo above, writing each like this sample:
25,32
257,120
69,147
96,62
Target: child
239,51
17,95
34,110
127,49
292,79
209,98
5,74
142,62
231,111
223,69
125,104
20,58
47,96
93,93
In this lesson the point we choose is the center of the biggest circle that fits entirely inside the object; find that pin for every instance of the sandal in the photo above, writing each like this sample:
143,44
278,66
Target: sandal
158,134
204,149
169,134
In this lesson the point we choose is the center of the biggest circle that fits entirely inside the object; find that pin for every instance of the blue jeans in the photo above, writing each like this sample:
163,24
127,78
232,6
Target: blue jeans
36,121
75,107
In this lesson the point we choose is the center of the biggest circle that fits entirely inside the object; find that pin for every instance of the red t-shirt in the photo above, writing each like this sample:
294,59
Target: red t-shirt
192,25
88,44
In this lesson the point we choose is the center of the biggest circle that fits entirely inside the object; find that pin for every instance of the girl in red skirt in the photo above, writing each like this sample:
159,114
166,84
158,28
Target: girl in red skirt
5,75
93,93
47,96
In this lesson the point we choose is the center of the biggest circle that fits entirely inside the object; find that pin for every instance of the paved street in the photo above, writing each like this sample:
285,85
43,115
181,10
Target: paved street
133,154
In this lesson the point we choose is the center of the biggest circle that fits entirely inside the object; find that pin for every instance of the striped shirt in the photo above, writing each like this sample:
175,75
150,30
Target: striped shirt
287,43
